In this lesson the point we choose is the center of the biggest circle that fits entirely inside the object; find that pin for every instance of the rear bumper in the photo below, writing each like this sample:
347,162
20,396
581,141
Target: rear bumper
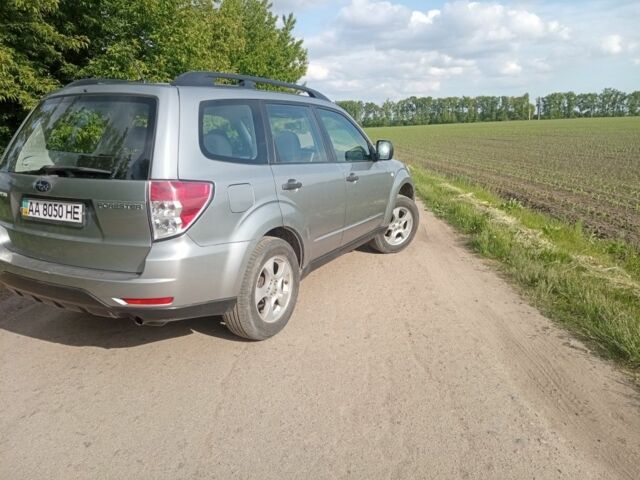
79,300
203,280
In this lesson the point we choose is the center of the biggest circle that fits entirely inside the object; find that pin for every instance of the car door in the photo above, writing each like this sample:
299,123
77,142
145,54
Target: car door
310,186
368,181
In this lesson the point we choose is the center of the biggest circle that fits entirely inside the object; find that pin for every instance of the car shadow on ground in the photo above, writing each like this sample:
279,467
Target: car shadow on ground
23,317
366,248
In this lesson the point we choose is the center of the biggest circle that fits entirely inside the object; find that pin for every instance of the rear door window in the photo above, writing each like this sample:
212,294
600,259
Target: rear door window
105,136
228,132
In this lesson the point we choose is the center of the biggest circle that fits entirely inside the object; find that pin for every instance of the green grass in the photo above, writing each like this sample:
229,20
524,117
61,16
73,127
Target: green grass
555,203
572,277
580,281
584,171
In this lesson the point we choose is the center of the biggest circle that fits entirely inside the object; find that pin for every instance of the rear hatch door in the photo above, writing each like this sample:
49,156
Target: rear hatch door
73,186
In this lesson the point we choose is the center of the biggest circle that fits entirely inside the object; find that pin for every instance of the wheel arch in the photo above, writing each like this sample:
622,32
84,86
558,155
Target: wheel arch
292,238
407,190
403,185
268,222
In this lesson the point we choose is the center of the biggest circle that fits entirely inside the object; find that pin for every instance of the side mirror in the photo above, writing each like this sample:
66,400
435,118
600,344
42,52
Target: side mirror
384,149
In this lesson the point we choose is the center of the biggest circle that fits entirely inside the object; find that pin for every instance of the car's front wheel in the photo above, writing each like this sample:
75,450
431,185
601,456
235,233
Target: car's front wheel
268,293
402,228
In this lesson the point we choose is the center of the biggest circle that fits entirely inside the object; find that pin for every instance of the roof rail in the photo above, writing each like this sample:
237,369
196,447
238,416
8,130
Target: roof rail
95,81
208,79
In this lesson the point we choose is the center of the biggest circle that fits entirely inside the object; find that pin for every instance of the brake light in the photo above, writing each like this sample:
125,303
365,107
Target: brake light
175,205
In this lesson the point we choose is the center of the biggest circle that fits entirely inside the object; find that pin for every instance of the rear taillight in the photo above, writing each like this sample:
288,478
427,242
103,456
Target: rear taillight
176,205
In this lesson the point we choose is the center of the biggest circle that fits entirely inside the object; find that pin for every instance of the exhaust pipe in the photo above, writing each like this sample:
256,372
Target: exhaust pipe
141,323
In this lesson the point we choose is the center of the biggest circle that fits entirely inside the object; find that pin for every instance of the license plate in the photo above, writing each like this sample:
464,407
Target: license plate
52,210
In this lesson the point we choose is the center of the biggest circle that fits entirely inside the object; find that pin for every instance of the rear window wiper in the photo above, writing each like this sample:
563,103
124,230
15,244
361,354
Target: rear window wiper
68,171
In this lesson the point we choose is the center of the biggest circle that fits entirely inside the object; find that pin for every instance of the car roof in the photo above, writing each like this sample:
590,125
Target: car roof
244,87
211,93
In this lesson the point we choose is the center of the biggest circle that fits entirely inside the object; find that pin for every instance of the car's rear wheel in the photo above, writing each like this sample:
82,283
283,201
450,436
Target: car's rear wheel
402,228
268,293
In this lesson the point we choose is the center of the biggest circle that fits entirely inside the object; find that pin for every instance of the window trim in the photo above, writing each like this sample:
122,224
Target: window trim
5,162
273,157
258,127
372,150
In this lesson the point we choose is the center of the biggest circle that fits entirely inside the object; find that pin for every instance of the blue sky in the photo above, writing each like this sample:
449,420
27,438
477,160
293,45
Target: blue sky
374,50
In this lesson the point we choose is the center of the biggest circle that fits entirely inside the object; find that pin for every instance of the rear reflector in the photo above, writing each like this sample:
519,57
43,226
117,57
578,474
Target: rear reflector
147,301
175,205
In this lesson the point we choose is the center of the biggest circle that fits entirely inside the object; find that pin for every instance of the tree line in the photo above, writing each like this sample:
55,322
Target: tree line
45,44
428,110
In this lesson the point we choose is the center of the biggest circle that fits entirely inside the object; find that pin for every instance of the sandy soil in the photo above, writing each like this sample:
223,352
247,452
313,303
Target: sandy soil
424,364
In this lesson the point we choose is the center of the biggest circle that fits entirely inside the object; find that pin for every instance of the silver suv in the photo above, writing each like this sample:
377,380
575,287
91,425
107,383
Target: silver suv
160,202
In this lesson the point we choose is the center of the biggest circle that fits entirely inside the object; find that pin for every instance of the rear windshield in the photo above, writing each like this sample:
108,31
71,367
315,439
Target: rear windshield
104,136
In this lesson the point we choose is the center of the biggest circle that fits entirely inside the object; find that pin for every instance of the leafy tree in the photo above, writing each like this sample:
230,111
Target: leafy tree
32,55
161,39
405,111
570,100
153,39
488,108
633,103
355,109
612,102
387,112
587,104
47,43
424,106
552,105
468,109
372,115
267,50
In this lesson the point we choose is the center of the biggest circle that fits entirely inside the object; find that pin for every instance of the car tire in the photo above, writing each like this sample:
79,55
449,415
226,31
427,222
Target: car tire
401,230
268,293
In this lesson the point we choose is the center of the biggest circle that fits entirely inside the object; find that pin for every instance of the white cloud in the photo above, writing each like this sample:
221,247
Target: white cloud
422,87
511,68
539,65
611,44
372,14
295,6
461,28
385,74
374,49
526,23
418,18
558,29
316,71
389,49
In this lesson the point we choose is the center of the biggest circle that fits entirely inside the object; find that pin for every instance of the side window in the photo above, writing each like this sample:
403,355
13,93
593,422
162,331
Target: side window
228,132
348,143
295,134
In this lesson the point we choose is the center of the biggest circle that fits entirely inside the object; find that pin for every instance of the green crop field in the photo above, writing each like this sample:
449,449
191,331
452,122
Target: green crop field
580,170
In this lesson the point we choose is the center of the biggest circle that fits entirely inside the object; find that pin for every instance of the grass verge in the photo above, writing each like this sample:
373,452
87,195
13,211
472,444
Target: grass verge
589,285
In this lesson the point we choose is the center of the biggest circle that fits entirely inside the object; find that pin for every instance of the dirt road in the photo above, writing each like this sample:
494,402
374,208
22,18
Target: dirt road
424,364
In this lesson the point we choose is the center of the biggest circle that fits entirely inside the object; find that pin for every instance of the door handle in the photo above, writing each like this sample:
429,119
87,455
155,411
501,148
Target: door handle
353,177
292,184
